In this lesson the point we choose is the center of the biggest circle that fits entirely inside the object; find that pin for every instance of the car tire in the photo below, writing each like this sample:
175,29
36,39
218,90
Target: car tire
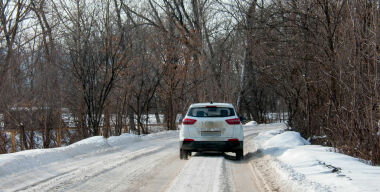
239,155
183,154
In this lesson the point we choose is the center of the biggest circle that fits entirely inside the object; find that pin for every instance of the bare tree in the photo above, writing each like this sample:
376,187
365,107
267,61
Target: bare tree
96,54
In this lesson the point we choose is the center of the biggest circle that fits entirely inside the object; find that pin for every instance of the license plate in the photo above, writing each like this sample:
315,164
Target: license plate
210,133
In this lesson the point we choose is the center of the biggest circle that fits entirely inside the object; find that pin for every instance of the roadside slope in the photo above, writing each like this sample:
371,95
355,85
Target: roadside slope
299,166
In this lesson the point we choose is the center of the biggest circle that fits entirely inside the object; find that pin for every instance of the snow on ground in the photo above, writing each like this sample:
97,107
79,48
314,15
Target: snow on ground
123,163
305,167
251,123
284,161
29,159
204,175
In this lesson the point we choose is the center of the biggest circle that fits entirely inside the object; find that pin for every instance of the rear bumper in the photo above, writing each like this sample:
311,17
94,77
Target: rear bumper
222,146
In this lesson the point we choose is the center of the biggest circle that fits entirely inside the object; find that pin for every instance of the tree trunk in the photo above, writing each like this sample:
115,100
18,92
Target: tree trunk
24,144
131,120
106,124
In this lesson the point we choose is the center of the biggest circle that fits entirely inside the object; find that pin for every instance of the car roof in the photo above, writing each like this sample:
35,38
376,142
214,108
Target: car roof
212,104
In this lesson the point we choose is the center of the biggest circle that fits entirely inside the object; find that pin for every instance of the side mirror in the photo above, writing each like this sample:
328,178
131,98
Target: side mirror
180,119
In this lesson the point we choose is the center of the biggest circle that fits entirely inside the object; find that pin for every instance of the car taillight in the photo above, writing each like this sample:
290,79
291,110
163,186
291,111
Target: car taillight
235,121
188,121
188,139
234,139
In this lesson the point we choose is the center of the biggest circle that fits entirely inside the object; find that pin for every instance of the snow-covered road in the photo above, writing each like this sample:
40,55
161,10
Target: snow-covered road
274,160
149,163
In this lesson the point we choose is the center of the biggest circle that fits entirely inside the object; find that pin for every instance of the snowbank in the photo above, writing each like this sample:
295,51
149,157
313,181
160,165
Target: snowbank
24,160
305,167
251,123
286,139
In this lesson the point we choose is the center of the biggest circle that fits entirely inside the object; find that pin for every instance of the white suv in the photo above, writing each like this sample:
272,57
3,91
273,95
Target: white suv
211,127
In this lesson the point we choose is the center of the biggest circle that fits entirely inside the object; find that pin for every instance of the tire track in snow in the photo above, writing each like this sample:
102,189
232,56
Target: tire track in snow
218,172
134,171
201,173
79,176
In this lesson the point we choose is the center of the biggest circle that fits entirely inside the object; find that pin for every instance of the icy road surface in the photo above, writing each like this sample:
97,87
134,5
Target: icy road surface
149,164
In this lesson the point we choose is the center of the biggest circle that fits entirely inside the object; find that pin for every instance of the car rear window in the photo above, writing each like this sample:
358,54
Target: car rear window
211,112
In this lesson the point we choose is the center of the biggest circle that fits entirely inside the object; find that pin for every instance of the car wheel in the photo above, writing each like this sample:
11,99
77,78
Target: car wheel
183,154
239,155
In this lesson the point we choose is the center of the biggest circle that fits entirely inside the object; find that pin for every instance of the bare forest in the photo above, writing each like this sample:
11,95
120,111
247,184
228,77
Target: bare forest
101,67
